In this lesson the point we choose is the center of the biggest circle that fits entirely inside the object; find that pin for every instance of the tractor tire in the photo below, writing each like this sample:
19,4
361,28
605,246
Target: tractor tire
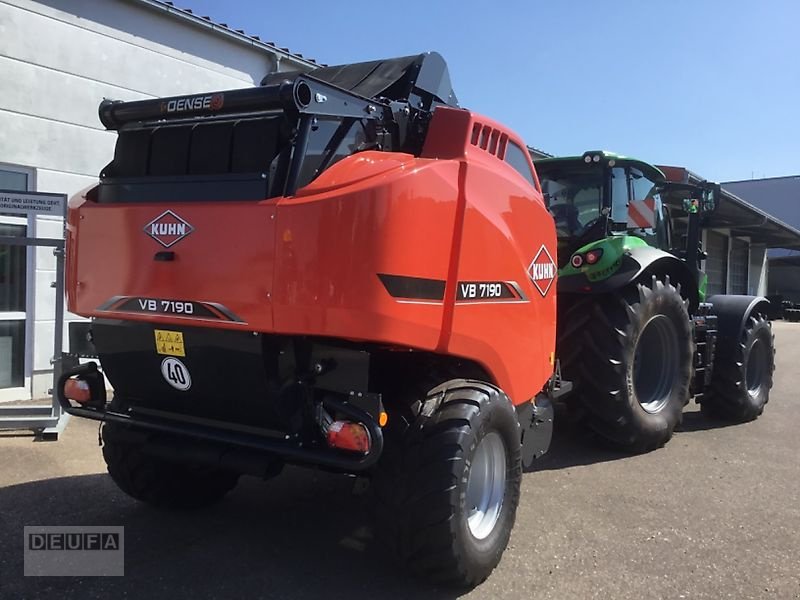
742,376
629,355
448,485
159,482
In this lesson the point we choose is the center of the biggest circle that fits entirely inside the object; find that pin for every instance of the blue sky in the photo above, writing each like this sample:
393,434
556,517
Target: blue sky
713,85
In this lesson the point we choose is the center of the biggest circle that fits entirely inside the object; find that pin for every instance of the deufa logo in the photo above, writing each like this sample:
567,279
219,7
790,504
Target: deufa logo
542,271
168,229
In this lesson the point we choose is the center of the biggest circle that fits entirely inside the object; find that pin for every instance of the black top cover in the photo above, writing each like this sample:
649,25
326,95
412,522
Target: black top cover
423,75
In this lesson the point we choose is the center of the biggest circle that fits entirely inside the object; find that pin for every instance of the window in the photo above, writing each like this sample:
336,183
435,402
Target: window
642,189
620,195
13,285
12,180
12,270
519,160
574,199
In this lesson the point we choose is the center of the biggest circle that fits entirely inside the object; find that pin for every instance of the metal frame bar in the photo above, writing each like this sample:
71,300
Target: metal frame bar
266,441
48,421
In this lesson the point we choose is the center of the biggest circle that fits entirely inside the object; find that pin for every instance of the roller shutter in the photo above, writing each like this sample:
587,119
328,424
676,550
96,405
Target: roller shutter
717,262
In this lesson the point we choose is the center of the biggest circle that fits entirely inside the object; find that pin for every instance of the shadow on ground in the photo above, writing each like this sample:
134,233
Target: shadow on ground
697,421
575,444
304,535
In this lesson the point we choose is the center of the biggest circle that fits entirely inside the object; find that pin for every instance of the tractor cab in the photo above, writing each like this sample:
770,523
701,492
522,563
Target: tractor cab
636,334
601,194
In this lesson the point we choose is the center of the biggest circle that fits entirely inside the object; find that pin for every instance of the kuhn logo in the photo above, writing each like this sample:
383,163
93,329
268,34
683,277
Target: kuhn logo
209,102
542,271
168,229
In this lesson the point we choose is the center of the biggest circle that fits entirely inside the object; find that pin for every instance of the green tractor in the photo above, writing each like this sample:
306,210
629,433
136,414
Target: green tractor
637,335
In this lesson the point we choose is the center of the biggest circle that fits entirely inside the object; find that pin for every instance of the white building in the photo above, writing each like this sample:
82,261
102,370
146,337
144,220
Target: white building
58,60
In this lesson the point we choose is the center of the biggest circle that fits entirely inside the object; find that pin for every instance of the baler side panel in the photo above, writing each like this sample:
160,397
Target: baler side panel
505,226
332,246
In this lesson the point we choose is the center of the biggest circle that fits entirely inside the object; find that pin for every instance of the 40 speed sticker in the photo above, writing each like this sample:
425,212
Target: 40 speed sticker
176,374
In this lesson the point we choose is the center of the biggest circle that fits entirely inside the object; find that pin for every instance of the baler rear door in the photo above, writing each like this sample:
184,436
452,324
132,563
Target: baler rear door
176,262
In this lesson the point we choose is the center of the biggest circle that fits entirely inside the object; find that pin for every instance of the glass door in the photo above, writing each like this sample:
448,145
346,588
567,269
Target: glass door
13,290
13,281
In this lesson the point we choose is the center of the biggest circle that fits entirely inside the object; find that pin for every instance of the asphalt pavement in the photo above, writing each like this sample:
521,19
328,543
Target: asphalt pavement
714,514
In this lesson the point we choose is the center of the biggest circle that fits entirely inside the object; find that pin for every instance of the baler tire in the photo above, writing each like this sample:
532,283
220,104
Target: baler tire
598,340
162,483
743,374
423,484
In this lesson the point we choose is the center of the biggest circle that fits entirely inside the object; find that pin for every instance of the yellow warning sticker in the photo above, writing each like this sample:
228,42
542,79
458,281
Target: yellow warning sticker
169,343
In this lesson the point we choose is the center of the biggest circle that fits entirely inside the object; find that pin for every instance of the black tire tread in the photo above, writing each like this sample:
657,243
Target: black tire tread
163,483
417,478
727,397
592,337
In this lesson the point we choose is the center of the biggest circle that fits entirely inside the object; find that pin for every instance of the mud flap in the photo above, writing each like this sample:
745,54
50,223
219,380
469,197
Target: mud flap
536,421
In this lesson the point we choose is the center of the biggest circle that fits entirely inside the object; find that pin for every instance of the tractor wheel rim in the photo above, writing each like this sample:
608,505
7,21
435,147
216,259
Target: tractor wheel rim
486,486
655,363
756,368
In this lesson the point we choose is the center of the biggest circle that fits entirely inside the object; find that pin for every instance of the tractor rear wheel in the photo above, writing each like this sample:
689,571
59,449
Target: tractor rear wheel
742,376
448,485
630,356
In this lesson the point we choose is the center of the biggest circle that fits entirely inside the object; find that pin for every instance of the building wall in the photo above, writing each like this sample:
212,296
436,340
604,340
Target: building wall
779,196
734,265
784,280
757,281
58,61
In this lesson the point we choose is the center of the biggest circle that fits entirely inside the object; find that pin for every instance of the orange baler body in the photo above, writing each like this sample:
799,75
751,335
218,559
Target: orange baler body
445,253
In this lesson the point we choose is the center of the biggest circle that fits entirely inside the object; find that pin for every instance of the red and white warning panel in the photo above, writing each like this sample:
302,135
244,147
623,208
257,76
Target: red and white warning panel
642,213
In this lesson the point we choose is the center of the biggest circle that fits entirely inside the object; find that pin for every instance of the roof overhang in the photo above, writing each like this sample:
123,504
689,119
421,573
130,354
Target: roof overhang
740,217
235,35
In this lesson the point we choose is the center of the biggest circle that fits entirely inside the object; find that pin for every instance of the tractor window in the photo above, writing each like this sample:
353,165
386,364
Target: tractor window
620,195
646,218
574,200
642,187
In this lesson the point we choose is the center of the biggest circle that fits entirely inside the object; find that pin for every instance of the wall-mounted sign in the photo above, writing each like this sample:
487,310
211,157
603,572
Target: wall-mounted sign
37,203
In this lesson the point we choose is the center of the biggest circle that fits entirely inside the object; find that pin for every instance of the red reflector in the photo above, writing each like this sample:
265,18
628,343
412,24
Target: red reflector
347,435
78,390
593,256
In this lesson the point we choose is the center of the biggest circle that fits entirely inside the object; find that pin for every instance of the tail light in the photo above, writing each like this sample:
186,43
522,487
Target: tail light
77,390
594,255
590,258
347,435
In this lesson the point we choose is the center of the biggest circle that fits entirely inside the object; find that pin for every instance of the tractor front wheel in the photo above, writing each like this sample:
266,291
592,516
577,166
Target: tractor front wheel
742,376
630,356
